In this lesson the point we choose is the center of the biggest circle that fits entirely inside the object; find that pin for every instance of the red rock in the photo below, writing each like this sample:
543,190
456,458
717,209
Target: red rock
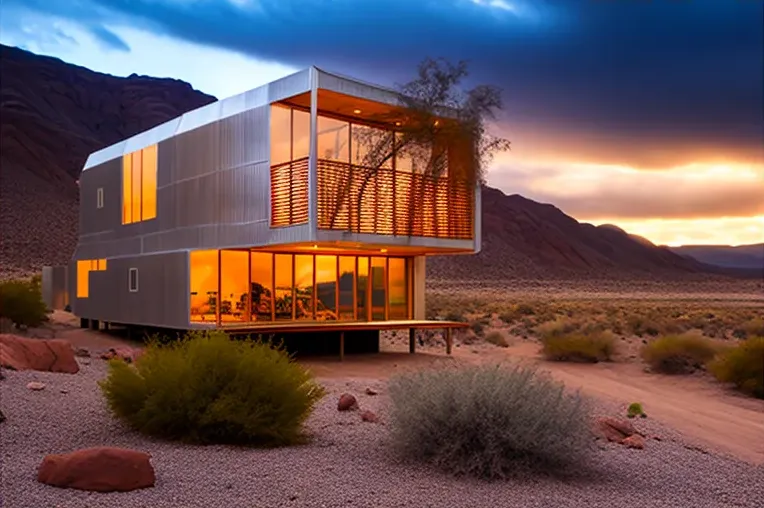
53,355
369,416
371,391
98,469
36,386
614,429
347,402
634,441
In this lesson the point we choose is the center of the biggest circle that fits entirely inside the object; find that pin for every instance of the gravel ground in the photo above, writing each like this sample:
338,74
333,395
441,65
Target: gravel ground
347,465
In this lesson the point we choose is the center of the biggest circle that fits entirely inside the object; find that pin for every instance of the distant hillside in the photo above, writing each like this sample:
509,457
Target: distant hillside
741,256
53,115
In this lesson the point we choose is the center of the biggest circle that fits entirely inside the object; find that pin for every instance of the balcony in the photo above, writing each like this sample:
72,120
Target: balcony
365,200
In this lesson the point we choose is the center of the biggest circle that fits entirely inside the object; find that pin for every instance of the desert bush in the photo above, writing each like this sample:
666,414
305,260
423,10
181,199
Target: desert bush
489,421
579,347
207,388
478,328
21,302
557,327
634,410
497,339
753,328
678,354
742,366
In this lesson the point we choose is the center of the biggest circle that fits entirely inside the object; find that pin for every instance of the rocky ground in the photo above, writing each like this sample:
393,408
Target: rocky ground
349,462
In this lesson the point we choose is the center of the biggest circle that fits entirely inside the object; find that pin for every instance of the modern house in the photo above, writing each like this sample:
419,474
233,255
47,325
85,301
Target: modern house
259,212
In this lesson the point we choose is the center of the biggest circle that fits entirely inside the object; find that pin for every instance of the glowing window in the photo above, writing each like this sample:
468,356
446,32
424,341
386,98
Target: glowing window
204,285
139,185
84,267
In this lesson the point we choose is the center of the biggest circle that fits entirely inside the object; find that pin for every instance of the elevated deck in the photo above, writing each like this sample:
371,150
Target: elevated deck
341,327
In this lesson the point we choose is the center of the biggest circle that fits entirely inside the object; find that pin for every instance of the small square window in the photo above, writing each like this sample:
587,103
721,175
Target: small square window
133,280
99,197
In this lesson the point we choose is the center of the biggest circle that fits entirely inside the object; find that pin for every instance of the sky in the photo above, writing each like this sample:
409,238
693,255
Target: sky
647,114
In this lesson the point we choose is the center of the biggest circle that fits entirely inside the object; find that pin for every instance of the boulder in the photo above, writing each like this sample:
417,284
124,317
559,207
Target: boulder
36,386
48,355
101,469
369,416
634,441
371,391
614,429
347,402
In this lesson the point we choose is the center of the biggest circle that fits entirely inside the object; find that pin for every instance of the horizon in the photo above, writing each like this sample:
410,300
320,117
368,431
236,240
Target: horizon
671,152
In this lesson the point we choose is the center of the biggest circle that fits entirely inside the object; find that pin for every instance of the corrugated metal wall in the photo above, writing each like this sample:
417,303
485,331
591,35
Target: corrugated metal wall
162,296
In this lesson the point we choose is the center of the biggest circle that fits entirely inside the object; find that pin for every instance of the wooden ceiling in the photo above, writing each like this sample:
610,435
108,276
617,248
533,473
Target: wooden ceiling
347,107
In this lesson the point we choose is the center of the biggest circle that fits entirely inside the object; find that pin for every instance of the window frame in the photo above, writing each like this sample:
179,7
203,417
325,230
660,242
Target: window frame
99,198
130,272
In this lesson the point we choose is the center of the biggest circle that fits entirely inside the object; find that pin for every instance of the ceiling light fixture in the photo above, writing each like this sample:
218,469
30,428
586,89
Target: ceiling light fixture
382,250
357,111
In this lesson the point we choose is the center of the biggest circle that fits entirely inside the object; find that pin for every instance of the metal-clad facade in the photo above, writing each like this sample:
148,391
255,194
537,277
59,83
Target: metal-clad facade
213,192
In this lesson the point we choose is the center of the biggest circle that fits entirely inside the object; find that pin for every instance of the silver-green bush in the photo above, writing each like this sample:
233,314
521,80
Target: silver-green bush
489,421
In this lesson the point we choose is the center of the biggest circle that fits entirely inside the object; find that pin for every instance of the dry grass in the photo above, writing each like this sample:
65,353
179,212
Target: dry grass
679,354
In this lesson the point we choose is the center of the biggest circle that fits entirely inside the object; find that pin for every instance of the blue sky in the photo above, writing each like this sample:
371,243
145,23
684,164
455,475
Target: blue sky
647,114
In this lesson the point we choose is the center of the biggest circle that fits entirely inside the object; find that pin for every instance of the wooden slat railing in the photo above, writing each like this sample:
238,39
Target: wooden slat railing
289,193
384,201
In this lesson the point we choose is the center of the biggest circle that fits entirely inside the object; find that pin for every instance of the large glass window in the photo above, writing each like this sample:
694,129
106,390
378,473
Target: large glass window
300,134
284,286
364,139
139,185
303,286
204,285
362,287
281,126
333,137
326,288
261,286
347,287
397,288
84,267
378,287
234,279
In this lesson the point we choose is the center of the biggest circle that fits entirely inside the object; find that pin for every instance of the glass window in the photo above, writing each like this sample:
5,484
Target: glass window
347,287
326,288
300,134
261,283
83,277
378,280
204,285
136,192
234,279
303,286
281,125
364,140
397,288
149,183
362,295
404,159
127,186
332,139
284,286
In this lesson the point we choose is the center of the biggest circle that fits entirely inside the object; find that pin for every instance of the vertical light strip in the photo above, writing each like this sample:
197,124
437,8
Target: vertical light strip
315,294
273,286
337,313
386,286
355,289
294,291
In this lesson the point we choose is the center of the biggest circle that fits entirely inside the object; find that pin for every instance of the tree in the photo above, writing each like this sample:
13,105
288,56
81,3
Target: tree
435,118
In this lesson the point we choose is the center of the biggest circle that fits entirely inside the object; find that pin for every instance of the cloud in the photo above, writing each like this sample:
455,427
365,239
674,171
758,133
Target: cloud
649,74
108,38
592,191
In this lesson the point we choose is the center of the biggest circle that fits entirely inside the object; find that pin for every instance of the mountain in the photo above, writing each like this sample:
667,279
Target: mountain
740,257
53,114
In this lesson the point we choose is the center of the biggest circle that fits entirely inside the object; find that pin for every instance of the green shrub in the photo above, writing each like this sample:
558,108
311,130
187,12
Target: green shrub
678,354
579,347
489,421
497,339
21,302
743,366
207,388
634,410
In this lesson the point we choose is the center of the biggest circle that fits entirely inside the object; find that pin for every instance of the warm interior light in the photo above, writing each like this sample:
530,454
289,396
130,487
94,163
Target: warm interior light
357,111
398,124
437,122
315,246
382,250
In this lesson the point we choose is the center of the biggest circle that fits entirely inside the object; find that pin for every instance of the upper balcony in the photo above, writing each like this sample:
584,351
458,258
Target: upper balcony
368,178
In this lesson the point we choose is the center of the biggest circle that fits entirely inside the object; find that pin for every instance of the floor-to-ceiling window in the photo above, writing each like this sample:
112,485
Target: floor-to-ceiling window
261,286
242,286
204,285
